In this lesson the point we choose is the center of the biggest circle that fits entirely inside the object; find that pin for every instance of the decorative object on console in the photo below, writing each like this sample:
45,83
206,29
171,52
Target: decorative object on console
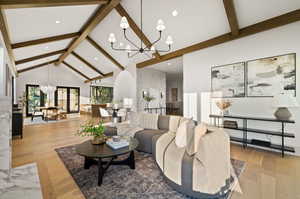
148,98
270,76
283,102
223,105
228,80
140,48
230,124
97,131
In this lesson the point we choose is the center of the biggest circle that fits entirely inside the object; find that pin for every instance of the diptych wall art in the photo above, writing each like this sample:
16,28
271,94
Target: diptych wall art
264,77
228,80
272,76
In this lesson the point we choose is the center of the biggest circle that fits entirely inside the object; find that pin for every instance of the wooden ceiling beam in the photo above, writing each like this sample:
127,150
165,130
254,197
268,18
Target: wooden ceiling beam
45,40
99,15
36,66
12,4
123,13
87,63
100,77
269,24
5,33
106,54
75,70
22,61
231,16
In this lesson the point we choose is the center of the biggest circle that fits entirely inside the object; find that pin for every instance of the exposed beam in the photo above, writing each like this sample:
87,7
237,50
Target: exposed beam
231,16
36,66
45,40
100,77
46,3
99,15
87,63
250,30
7,41
75,70
106,54
123,13
22,61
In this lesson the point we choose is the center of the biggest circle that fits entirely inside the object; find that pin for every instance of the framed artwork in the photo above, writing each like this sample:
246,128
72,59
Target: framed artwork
228,80
271,76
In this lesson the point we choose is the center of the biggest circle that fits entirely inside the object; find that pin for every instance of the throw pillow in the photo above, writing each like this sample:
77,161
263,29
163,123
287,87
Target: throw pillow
174,123
193,137
148,121
180,139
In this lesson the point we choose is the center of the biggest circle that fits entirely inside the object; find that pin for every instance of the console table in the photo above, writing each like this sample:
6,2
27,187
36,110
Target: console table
245,141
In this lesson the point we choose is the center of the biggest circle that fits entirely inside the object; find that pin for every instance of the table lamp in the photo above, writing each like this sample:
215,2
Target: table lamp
283,102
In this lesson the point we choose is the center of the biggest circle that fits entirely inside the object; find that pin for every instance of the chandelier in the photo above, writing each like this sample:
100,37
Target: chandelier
48,88
139,48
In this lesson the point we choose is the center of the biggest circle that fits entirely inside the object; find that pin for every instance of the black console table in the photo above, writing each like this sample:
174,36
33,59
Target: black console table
245,141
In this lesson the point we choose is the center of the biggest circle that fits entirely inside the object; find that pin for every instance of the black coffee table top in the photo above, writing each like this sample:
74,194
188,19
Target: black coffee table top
87,149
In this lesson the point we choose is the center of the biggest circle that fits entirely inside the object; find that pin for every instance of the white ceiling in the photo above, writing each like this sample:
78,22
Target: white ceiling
197,20
174,66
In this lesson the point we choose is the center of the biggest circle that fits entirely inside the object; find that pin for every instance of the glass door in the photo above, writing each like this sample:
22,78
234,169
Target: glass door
67,99
62,99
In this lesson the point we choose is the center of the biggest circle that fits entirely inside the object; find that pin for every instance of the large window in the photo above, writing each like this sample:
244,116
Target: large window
101,94
35,98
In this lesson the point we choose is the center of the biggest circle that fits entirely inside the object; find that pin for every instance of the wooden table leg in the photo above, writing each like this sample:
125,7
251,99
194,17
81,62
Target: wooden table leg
131,160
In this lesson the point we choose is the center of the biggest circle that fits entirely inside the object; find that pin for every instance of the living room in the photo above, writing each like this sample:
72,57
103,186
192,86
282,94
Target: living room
104,99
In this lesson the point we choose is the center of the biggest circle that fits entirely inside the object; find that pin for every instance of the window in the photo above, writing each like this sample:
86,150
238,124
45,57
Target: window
35,98
68,99
101,94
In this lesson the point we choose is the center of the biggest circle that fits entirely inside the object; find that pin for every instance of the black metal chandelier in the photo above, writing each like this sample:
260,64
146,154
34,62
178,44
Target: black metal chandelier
140,48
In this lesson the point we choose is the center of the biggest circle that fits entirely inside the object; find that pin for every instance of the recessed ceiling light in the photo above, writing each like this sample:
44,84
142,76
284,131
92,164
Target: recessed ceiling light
169,64
96,58
57,21
175,13
47,47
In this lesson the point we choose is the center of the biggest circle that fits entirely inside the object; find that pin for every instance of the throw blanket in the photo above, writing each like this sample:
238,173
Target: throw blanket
125,129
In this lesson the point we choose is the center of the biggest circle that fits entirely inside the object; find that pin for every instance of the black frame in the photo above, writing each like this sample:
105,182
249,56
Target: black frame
41,98
103,87
68,98
269,58
211,86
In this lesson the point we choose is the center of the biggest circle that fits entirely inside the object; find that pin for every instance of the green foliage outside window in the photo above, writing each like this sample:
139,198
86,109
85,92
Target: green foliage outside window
101,95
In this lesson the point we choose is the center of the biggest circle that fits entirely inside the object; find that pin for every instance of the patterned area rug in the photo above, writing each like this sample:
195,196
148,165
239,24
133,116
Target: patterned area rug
120,182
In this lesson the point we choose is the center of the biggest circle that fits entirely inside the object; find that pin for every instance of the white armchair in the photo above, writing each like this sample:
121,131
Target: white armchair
104,113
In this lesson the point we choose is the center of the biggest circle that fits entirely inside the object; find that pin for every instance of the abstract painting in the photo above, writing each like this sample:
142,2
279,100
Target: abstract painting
228,80
272,76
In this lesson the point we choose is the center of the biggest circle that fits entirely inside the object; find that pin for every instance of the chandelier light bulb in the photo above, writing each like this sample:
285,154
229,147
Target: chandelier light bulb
169,40
121,44
152,48
112,38
124,23
128,48
160,25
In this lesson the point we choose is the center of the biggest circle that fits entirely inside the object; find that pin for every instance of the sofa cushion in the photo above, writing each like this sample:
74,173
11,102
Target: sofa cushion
181,134
194,134
174,123
145,139
161,145
148,121
163,122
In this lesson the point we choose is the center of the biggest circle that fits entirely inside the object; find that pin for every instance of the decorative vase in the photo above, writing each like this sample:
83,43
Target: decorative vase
97,140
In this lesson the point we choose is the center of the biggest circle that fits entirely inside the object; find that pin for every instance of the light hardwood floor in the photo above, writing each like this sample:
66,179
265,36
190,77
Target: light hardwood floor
266,176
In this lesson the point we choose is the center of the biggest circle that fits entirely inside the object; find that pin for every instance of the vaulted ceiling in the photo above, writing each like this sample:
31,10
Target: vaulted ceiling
197,21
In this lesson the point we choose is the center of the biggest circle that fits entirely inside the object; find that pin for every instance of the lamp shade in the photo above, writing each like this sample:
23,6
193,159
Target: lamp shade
285,101
127,102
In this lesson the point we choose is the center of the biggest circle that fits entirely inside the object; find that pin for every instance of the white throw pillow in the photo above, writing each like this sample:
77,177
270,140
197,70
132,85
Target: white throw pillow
148,121
174,123
180,139
193,138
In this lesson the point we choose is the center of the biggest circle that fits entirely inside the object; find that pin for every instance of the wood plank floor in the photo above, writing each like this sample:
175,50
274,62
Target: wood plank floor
266,176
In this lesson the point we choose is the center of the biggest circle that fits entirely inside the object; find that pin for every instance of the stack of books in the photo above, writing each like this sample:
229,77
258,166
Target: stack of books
117,145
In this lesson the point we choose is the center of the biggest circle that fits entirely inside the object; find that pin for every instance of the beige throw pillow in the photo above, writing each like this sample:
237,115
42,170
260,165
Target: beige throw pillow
180,139
193,137
174,123
148,121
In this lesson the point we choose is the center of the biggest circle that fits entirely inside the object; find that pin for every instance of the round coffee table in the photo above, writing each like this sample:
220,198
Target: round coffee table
94,154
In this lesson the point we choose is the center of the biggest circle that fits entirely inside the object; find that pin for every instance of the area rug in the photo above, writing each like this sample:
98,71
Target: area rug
120,182
38,121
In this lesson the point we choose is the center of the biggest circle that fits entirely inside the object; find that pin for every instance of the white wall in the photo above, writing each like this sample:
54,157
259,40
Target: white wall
59,76
283,40
153,81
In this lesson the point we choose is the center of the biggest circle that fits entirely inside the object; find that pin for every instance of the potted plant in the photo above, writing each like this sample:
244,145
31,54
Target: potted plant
148,99
97,131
